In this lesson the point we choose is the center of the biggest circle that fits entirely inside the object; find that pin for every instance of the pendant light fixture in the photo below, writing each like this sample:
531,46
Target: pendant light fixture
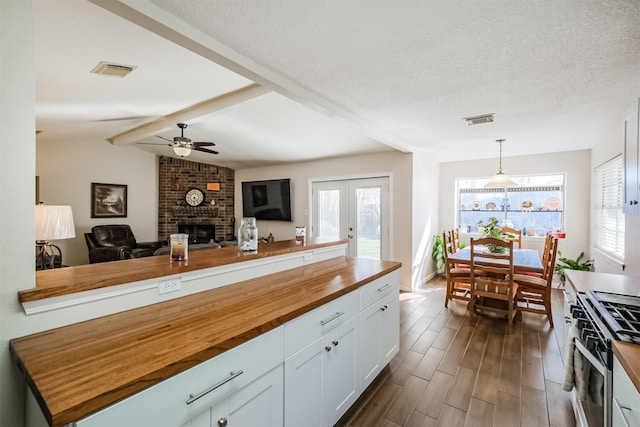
500,180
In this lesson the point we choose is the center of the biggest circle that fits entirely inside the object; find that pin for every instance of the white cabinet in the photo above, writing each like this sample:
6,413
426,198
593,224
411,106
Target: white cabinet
378,331
625,410
631,160
335,351
245,376
258,404
320,380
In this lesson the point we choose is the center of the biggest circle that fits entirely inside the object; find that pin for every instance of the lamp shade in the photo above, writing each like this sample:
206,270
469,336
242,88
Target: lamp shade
182,151
501,180
54,223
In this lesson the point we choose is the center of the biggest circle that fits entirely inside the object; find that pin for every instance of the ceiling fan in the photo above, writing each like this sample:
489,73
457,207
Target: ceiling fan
182,146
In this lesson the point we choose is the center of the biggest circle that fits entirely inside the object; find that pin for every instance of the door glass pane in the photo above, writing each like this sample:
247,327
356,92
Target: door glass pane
329,213
368,222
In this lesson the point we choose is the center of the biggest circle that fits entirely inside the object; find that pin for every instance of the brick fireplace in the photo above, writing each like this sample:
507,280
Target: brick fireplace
176,177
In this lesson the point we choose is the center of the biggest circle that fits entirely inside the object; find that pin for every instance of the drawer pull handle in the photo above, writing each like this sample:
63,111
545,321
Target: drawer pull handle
222,422
385,287
332,318
328,348
232,375
335,343
384,307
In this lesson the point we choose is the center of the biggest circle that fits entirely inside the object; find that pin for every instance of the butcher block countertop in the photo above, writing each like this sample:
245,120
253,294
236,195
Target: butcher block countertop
64,281
78,369
582,281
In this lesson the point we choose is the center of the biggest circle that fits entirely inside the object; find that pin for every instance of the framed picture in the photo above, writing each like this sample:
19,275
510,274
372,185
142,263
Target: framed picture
108,200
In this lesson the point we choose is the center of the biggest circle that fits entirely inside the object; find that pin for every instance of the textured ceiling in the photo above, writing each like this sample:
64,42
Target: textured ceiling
346,77
558,74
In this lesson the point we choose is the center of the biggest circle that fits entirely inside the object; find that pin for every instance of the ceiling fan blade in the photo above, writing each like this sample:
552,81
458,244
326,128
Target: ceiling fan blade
166,139
203,144
205,150
155,143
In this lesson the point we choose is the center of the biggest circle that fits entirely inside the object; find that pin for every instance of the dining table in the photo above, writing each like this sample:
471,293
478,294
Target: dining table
524,260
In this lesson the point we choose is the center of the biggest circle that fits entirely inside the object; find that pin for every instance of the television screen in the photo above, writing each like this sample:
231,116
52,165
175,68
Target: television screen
267,200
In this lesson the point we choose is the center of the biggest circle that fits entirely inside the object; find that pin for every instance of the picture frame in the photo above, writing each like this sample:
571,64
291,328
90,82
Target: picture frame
108,200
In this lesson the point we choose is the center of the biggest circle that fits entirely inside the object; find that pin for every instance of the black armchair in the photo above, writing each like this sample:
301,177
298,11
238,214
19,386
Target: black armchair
116,242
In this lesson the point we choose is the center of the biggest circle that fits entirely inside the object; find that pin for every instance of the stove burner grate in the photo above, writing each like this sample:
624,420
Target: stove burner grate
621,313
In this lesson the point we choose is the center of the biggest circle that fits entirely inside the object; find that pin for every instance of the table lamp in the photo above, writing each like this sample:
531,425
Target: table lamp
52,223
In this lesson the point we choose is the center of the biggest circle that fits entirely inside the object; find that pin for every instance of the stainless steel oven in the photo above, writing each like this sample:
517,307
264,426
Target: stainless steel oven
591,395
598,319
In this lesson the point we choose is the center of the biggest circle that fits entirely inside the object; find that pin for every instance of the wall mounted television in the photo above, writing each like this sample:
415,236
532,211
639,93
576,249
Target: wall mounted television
267,200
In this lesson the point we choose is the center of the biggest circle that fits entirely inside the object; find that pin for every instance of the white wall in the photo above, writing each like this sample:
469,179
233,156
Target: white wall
67,169
609,147
398,164
17,190
426,189
576,165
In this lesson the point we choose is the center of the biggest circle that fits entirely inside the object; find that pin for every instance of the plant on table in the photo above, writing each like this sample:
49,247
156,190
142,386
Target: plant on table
563,264
492,229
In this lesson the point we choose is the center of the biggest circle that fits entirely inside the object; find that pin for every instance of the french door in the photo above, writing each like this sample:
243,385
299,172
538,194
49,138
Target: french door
356,210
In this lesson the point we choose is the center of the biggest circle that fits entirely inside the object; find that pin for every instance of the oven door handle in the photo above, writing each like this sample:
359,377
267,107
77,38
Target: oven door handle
590,357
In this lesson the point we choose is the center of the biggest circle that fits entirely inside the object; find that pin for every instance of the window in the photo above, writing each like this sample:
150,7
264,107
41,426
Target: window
608,219
535,206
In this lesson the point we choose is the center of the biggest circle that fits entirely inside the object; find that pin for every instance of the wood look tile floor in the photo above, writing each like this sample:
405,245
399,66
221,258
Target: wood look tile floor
450,372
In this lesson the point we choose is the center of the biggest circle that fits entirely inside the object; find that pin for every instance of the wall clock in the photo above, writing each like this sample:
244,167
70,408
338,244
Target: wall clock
194,197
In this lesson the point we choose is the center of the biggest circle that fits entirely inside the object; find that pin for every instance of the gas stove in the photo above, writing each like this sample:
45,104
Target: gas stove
619,313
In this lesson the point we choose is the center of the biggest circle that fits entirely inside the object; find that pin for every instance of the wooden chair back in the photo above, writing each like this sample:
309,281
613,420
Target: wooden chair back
458,279
492,278
513,235
534,291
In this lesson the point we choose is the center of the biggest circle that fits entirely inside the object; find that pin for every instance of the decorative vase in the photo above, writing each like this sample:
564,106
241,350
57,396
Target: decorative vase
248,235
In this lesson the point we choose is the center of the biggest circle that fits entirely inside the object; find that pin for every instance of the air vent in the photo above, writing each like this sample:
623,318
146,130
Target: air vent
114,70
476,120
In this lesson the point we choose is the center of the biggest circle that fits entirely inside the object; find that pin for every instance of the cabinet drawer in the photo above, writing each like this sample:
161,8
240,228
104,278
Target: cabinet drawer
202,385
377,289
623,389
307,328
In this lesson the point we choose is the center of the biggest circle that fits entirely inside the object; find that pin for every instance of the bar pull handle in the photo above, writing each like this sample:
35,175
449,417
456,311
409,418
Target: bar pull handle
232,375
385,287
332,318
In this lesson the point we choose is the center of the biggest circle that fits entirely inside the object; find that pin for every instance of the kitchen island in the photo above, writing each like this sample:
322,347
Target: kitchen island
75,370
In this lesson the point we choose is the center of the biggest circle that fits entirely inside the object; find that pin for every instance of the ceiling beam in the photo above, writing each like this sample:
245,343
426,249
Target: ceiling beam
149,16
189,114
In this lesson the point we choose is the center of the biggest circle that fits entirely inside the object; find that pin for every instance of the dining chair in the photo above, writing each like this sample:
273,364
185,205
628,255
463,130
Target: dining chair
513,234
492,285
458,278
534,293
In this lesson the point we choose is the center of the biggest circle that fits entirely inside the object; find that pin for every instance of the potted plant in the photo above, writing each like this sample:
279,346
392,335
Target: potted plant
563,264
492,229
438,254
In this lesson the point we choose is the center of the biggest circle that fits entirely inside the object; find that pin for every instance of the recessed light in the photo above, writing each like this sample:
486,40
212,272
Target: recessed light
476,120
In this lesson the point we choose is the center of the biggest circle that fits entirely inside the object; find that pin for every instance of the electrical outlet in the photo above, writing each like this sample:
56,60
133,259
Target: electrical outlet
171,285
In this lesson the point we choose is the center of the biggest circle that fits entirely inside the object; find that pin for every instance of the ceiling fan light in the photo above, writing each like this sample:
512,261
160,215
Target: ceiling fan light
182,151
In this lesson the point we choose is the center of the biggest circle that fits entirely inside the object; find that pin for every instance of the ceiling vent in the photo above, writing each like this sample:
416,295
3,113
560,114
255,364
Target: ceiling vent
114,70
476,120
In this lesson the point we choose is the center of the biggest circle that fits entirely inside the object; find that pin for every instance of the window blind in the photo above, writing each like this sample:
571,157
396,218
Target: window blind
608,216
